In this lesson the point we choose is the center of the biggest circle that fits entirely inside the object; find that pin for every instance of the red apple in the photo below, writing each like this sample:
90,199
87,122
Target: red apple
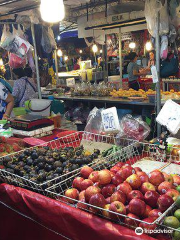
135,194
146,186
125,165
85,184
164,202
72,193
127,209
105,213
143,176
176,180
164,187
118,196
97,184
147,211
125,172
86,171
134,181
119,164
90,191
115,169
151,198
108,200
132,222
137,207
97,200
156,178
168,178
108,190
116,180
156,213
104,177
77,182
82,204
93,210
82,195
137,169
94,176
117,207
112,174
125,188
148,227
173,193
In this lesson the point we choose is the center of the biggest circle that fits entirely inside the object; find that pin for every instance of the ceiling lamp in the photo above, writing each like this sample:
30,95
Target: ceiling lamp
132,45
80,51
59,53
101,51
95,48
52,11
65,58
148,46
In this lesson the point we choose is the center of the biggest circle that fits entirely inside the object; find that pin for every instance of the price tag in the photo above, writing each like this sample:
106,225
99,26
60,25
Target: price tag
70,82
110,120
169,116
154,74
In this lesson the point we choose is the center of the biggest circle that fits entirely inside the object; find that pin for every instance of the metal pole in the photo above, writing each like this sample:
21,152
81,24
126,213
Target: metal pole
106,59
158,86
36,61
120,57
56,65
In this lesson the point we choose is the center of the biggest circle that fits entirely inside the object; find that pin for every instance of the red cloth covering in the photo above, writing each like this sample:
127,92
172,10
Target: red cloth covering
66,220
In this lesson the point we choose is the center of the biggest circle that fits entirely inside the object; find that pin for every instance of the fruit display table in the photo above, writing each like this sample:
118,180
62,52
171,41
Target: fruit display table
29,215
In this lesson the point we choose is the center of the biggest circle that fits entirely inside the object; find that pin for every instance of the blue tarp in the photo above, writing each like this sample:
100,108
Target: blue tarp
68,34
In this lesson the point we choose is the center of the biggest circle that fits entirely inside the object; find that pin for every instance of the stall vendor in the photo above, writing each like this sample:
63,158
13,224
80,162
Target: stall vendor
25,87
151,60
77,63
134,71
6,102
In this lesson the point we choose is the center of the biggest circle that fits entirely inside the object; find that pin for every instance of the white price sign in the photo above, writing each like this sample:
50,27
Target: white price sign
169,116
110,120
70,82
154,74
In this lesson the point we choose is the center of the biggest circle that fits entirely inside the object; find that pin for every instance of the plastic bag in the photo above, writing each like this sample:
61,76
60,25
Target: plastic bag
52,39
172,7
45,41
6,38
151,9
164,20
133,128
94,122
31,60
16,62
164,47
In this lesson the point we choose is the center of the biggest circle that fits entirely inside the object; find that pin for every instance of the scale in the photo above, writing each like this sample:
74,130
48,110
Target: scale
30,122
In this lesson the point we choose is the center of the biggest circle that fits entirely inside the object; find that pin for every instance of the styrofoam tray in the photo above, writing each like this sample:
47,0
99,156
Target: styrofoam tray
148,165
172,169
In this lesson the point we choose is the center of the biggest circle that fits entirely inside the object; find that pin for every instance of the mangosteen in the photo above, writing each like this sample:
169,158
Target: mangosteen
35,162
21,164
97,151
59,170
50,161
29,162
34,179
78,153
56,175
6,160
26,152
57,164
26,168
49,177
36,169
10,170
41,177
26,176
21,157
95,155
16,170
41,165
34,155
21,173
75,166
64,164
62,158
32,174
48,168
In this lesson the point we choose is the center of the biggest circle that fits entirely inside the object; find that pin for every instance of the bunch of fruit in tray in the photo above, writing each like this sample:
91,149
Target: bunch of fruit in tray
123,194
7,146
42,164
172,221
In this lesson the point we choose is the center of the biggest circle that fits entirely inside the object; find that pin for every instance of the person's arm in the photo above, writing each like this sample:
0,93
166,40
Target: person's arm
137,72
10,104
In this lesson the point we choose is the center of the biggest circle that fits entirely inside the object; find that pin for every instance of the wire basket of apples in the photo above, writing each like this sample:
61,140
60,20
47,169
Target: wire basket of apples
119,193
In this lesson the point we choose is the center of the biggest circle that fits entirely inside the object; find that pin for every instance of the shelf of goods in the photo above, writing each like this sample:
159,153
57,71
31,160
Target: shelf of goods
39,167
132,187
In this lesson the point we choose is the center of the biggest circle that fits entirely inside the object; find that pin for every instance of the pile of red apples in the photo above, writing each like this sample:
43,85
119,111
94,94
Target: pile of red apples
124,191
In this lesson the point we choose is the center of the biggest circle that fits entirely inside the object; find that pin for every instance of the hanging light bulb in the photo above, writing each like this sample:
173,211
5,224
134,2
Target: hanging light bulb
52,11
59,53
101,51
95,48
65,58
58,38
1,62
132,45
80,51
148,46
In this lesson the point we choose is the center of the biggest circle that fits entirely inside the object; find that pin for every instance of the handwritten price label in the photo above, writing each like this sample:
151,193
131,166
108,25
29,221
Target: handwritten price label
70,82
110,120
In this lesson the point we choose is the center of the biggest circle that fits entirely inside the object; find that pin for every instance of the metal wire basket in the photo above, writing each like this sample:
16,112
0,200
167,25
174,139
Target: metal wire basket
132,154
72,140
